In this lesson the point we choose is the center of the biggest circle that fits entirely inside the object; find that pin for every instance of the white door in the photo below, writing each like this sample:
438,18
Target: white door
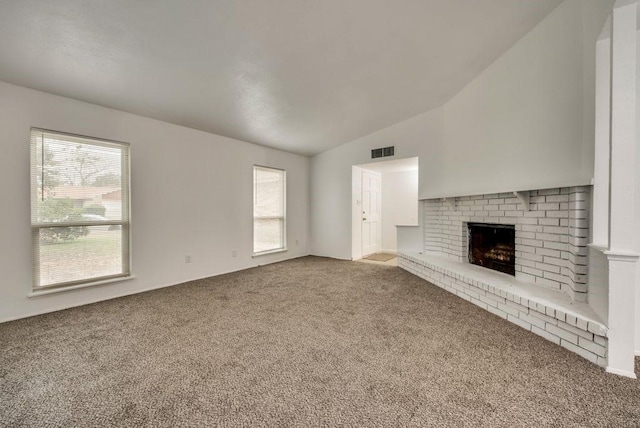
371,226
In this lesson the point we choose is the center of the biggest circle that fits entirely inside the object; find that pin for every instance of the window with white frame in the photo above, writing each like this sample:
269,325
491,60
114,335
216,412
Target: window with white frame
79,209
269,210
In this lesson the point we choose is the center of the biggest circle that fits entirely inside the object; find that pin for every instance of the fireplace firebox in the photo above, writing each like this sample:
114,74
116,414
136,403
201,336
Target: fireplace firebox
493,246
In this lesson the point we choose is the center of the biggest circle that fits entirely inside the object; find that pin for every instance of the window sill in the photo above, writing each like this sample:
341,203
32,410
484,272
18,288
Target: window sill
264,253
47,291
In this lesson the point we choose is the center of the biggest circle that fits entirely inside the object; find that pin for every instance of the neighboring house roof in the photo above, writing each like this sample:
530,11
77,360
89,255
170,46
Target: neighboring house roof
86,192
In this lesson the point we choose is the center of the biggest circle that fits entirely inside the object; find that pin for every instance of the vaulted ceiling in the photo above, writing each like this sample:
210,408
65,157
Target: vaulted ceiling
298,75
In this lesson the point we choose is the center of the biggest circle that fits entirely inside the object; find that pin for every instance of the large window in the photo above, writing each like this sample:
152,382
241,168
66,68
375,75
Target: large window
79,209
269,206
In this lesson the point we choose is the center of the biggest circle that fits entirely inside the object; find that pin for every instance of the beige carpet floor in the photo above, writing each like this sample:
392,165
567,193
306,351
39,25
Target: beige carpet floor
308,342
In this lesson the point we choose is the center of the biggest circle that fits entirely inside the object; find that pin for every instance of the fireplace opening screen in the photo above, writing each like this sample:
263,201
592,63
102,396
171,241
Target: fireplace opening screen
493,246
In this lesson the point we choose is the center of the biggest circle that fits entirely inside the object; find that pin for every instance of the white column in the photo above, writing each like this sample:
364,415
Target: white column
621,254
603,139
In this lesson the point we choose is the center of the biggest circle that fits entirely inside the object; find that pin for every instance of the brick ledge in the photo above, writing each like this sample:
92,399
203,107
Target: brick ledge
554,304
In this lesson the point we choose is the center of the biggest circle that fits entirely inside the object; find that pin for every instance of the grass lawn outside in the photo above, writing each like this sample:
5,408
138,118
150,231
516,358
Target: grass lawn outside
95,255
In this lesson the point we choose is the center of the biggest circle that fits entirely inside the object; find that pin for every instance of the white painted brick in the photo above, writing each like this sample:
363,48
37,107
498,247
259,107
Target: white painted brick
548,192
543,317
556,277
582,324
549,221
596,328
548,283
480,303
548,206
508,309
590,346
526,248
525,277
580,351
526,235
532,242
575,330
528,256
491,300
562,333
599,340
548,252
515,305
557,246
548,237
557,214
519,322
526,220
558,198
531,271
543,333
464,296
525,262
496,311
548,268
532,320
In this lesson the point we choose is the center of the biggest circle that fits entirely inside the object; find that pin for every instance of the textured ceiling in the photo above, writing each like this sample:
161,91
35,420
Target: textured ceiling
302,76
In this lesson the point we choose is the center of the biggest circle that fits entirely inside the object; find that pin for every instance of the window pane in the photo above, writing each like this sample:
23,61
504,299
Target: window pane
76,180
267,234
268,209
78,253
269,193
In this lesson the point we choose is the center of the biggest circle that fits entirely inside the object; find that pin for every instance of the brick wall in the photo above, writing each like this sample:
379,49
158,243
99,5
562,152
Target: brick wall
551,236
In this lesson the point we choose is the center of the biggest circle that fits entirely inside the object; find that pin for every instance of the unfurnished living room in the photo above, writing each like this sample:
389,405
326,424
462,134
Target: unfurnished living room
320,213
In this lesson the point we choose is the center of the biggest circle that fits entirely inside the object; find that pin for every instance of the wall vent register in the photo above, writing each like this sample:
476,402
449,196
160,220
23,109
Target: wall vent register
383,152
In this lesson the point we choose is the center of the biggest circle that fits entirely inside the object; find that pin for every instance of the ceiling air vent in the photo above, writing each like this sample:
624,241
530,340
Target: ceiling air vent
379,153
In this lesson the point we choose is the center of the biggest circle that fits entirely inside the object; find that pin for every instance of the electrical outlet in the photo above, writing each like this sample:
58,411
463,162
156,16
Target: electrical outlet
234,253
187,259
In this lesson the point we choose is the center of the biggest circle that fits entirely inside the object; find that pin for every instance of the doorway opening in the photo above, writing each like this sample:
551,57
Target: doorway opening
384,195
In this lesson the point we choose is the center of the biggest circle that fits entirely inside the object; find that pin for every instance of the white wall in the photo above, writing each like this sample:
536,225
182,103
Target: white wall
191,193
520,125
331,177
399,205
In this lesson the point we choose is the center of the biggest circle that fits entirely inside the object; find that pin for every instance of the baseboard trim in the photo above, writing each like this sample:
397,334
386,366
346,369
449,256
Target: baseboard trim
143,290
619,372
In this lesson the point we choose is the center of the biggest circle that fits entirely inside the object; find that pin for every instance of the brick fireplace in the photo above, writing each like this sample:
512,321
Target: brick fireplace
551,232
548,293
